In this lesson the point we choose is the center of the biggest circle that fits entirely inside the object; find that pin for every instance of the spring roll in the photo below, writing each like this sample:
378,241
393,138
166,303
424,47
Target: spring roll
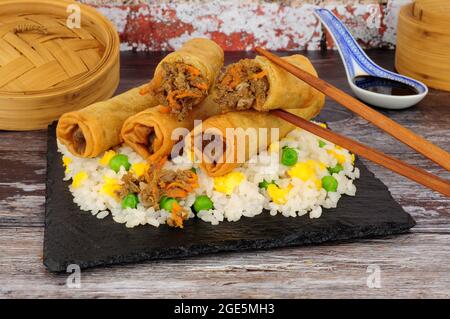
96,128
262,85
152,134
218,125
183,79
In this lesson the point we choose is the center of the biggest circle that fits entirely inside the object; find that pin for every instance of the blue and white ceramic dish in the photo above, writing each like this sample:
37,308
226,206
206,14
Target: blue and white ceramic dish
357,63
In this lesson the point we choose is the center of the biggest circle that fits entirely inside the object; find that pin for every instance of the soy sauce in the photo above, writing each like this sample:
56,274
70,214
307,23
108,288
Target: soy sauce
383,86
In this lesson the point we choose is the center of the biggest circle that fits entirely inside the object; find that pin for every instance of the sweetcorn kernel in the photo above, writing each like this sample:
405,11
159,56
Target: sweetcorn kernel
107,157
79,178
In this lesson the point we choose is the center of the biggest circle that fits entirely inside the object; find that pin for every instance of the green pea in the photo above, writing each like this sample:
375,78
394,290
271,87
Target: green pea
329,183
162,199
119,160
289,156
322,143
264,184
203,202
130,201
335,169
193,169
166,203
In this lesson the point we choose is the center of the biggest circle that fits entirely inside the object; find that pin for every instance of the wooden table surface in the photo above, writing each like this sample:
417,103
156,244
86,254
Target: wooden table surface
411,265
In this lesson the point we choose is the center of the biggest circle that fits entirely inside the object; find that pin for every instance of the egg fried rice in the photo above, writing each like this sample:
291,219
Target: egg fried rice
321,174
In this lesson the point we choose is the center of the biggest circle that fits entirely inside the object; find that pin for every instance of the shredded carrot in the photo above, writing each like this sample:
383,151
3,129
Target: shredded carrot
177,215
183,94
193,71
201,86
177,95
194,179
164,109
176,193
233,77
172,102
259,75
175,184
176,207
179,188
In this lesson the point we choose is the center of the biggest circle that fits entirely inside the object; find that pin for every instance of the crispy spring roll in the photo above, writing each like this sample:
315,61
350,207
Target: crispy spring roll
243,119
262,85
183,79
96,128
149,132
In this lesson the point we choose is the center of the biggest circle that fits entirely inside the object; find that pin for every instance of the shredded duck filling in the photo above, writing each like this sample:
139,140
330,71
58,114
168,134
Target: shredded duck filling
183,87
146,136
156,183
78,140
243,85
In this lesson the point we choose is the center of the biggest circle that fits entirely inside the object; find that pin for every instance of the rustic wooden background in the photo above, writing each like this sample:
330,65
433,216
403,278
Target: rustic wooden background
411,265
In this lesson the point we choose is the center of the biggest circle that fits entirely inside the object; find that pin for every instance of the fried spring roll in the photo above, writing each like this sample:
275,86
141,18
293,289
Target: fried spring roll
243,119
183,79
96,128
150,132
262,85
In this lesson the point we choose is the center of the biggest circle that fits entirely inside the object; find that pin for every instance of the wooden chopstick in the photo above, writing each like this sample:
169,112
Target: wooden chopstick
421,145
416,174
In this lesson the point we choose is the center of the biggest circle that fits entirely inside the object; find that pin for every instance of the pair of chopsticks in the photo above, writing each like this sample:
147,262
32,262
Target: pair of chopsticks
401,133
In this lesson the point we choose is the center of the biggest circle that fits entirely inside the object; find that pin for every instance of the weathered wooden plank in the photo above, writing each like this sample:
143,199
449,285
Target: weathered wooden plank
413,265
22,187
358,128
23,141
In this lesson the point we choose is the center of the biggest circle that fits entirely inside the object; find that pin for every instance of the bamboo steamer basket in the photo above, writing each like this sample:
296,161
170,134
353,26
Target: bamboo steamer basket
423,42
430,11
47,68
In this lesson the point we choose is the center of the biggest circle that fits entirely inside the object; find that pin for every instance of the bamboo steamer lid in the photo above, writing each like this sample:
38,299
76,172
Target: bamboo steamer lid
431,11
423,42
48,68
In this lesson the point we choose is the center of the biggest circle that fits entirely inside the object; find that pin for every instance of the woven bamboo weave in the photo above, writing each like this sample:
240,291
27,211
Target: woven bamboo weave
48,68
423,42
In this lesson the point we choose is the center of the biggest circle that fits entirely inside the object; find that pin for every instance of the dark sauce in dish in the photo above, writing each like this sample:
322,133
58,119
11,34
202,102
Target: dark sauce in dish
383,86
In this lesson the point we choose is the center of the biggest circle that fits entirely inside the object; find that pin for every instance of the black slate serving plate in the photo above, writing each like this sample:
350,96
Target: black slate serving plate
76,237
